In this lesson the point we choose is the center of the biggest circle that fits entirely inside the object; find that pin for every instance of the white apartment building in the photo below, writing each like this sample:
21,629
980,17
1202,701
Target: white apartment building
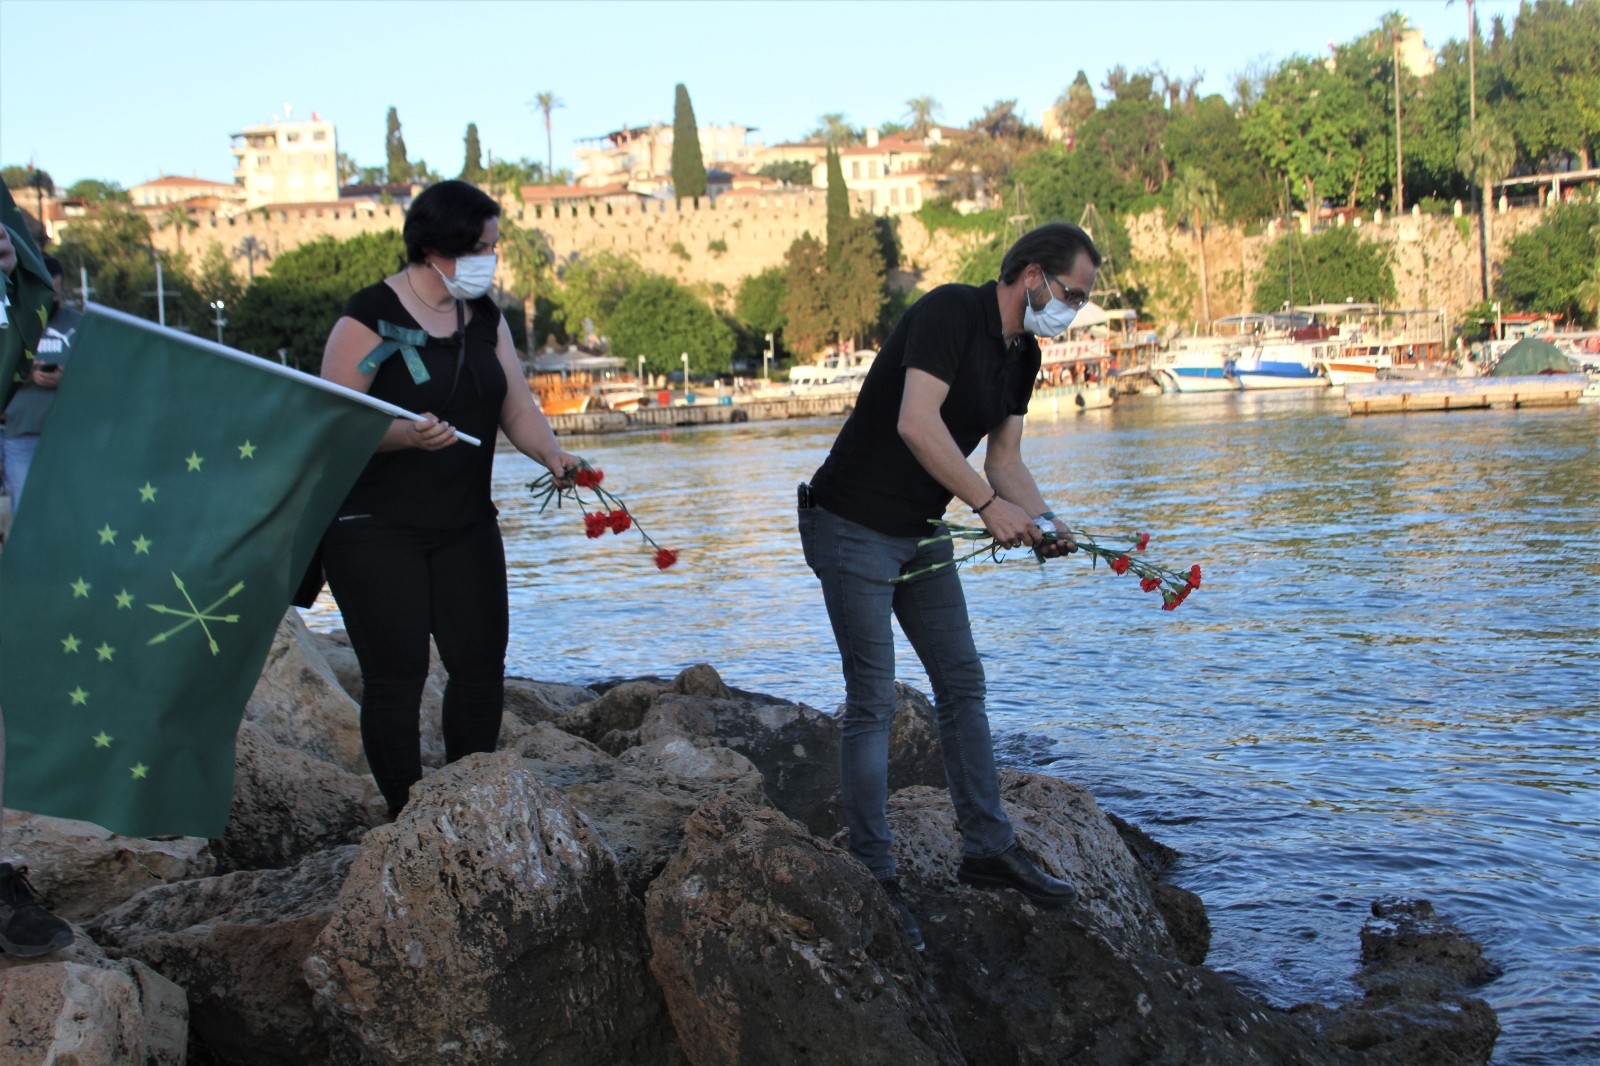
287,161
640,157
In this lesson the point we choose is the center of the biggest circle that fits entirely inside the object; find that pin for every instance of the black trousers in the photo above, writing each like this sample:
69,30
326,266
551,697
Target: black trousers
396,585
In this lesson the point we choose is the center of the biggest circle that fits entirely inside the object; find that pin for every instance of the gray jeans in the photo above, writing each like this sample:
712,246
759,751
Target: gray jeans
855,565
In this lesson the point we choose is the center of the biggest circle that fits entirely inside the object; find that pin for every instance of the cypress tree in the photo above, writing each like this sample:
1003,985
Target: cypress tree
838,205
688,167
472,166
399,166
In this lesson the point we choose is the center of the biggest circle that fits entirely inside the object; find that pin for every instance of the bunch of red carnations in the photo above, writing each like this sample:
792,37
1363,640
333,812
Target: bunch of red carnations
1174,585
610,513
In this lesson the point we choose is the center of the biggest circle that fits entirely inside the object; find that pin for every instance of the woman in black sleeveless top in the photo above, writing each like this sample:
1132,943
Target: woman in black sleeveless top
415,551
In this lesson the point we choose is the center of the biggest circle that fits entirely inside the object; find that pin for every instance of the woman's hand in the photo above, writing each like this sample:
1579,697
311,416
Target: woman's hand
558,463
431,434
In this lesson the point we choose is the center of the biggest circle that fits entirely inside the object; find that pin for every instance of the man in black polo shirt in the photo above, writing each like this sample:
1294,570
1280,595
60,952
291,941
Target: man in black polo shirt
958,367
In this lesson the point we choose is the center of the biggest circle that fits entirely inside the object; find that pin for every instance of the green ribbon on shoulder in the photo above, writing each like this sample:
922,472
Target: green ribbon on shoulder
402,340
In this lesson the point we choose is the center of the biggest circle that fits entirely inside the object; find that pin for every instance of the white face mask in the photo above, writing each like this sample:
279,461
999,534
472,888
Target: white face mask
474,275
1052,320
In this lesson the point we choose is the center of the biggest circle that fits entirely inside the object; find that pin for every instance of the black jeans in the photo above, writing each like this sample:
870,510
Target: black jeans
397,585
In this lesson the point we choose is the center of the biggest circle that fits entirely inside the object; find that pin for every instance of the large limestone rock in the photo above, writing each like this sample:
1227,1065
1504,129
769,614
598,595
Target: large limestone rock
80,1007
237,944
288,804
489,924
611,720
795,747
639,804
773,947
300,703
1063,828
82,869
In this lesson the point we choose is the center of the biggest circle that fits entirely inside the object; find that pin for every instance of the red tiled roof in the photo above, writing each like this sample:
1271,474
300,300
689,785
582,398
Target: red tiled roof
173,180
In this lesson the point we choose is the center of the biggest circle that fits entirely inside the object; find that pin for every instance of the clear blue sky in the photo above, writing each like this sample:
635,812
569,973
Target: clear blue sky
125,91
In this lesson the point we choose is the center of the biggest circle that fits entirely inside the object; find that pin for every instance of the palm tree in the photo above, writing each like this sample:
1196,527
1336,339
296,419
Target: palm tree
177,216
1194,197
249,249
835,131
920,110
547,102
1488,156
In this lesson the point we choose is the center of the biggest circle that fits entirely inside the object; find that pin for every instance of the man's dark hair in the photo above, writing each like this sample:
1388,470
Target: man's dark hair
52,264
1055,246
447,219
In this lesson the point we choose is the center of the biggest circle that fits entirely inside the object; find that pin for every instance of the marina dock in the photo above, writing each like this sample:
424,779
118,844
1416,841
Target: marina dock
1454,394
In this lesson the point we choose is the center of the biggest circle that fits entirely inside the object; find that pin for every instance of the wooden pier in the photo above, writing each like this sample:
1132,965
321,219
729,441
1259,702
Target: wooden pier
703,414
1456,394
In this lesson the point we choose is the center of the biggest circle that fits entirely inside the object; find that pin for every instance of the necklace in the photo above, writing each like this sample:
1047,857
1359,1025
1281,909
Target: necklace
420,297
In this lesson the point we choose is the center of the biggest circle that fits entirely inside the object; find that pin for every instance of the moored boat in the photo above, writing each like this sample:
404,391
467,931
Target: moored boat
1287,364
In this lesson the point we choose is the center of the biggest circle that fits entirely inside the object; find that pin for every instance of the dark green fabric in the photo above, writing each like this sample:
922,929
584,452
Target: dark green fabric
30,290
175,500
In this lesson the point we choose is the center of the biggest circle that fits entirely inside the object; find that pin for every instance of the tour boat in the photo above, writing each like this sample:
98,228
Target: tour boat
1285,364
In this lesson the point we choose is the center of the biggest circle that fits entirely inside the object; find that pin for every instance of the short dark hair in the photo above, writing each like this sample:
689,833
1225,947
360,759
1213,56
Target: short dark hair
1055,246
447,219
52,264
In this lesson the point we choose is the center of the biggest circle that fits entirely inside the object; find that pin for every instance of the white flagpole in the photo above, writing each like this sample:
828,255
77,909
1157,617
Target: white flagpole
261,364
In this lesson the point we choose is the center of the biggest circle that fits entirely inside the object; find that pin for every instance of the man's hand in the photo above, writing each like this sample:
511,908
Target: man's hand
1058,543
1010,524
45,379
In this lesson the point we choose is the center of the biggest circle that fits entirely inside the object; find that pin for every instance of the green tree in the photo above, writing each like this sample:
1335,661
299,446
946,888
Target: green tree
113,245
1195,201
1306,126
660,319
921,111
759,304
349,169
1335,264
793,171
250,249
592,287
545,103
395,145
472,165
808,324
97,191
296,303
1551,69
1075,104
1487,156
1207,137
1552,267
504,176
688,166
215,279
838,203
528,256
855,279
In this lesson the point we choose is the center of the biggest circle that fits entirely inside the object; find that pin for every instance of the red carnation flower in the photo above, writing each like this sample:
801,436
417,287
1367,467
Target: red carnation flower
1120,564
588,477
1144,539
1194,576
619,521
665,557
594,524
1150,584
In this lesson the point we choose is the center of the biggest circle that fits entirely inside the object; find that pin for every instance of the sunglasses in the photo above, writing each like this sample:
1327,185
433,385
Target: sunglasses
1073,298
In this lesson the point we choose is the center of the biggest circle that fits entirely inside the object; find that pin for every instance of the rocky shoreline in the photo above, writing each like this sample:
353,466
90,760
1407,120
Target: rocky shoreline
651,872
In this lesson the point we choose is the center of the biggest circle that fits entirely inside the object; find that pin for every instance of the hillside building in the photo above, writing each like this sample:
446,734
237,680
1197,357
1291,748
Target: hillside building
287,161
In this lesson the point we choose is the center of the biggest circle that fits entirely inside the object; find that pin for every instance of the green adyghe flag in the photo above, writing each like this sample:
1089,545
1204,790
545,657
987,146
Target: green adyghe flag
29,291
177,497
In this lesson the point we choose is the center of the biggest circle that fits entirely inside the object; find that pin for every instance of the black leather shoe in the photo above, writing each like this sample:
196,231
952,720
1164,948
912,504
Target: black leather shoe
897,901
1013,869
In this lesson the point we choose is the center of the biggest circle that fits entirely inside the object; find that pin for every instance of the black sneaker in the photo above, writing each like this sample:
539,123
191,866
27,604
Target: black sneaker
26,928
902,910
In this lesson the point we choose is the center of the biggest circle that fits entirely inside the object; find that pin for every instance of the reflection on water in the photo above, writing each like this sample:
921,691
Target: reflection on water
1387,683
